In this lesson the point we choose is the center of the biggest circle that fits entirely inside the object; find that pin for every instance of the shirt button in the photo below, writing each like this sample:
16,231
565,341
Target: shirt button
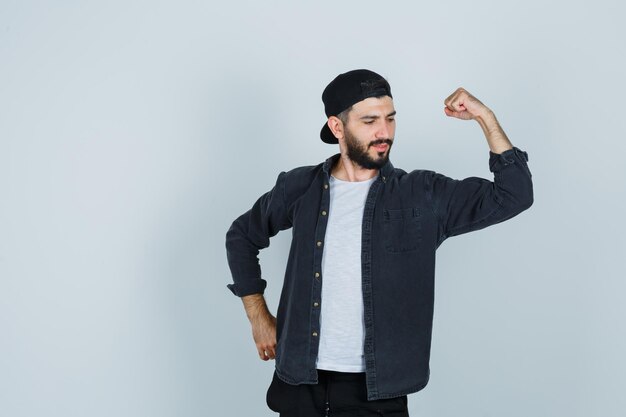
317,275
319,243
314,334
324,212
316,304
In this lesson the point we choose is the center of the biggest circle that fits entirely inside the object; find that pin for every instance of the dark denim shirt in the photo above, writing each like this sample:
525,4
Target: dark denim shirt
405,219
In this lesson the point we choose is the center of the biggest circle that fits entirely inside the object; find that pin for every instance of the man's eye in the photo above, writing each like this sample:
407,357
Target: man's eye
391,119
369,122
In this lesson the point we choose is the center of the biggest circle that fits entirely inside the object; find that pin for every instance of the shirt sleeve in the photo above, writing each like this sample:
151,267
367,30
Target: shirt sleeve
250,233
474,203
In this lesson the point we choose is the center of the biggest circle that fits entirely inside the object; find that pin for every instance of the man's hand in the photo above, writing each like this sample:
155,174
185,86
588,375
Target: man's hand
462,105
264,333
263,325
465,106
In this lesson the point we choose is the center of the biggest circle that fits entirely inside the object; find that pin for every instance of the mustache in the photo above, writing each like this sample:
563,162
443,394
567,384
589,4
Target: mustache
380,142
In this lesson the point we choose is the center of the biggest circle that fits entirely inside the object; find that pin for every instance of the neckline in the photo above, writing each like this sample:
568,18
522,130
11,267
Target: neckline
369,180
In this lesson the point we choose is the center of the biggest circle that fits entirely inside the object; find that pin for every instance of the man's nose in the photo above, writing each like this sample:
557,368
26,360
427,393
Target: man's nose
384,131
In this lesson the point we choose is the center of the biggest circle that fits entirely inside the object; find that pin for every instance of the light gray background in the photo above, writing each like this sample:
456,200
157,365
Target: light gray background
133,133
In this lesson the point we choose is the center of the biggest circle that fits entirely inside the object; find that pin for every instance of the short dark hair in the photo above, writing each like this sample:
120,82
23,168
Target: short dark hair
343,116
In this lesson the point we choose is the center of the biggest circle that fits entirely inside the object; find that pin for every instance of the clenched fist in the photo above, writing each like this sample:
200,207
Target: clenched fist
462,105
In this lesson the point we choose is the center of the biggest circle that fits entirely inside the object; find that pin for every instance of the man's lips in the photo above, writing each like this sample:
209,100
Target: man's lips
381,147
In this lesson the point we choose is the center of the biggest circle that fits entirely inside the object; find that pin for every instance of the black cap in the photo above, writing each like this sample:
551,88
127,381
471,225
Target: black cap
347,89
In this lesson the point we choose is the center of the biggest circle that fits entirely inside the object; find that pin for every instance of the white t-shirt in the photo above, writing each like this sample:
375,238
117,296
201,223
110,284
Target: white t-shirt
341,322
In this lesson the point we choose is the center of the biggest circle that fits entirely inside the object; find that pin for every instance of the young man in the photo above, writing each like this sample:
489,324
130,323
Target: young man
352,334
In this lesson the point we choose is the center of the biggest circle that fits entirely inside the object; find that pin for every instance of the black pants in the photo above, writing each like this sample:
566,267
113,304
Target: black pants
337,394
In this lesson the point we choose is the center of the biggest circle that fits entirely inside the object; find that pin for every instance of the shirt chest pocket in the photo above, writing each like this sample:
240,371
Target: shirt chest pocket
402,229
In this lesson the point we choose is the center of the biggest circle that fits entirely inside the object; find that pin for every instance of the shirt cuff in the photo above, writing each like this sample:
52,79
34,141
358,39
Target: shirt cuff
255,287
497,161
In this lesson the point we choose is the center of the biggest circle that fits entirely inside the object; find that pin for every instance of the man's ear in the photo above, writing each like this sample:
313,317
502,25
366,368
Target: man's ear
336,126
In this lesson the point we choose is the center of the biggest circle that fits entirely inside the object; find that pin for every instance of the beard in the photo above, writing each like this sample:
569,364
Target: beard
358,153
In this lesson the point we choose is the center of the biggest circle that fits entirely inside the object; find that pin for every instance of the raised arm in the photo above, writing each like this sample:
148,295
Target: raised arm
475,203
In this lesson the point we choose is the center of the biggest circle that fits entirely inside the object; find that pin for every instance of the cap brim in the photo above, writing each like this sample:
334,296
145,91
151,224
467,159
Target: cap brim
327,136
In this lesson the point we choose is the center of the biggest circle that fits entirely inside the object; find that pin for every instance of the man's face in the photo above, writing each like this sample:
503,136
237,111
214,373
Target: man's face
370,130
